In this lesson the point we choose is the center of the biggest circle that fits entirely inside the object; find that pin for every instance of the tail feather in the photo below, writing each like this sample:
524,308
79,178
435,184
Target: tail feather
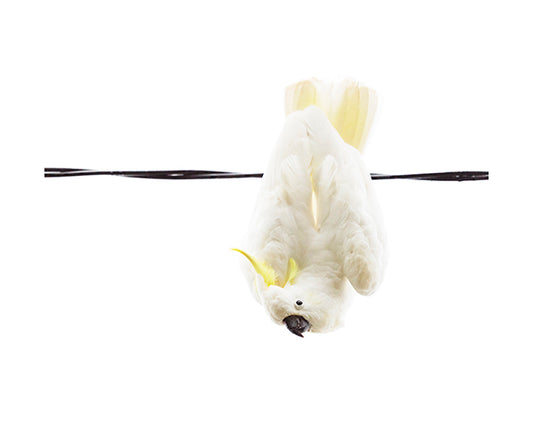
350,108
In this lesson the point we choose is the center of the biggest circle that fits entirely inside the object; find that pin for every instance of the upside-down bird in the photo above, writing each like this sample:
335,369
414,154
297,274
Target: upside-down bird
317,223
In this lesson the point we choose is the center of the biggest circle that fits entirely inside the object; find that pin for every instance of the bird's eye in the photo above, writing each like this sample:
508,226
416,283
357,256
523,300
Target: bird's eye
299,304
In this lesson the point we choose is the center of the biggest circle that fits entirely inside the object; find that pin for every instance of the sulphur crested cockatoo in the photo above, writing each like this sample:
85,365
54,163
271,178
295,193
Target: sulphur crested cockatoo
317,223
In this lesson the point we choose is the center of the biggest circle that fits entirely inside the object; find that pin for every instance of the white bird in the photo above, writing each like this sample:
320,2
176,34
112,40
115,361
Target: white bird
317,222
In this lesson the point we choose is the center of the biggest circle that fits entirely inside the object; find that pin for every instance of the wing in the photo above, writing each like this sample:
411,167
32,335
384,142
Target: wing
363,244
283,216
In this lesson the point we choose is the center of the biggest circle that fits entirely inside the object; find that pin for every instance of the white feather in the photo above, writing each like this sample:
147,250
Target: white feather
343,239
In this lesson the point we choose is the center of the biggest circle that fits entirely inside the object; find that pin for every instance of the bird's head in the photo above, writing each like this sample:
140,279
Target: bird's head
301,303
287,306
300,308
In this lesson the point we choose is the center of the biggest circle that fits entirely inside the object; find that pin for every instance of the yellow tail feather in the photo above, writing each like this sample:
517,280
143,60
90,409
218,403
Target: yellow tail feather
350,108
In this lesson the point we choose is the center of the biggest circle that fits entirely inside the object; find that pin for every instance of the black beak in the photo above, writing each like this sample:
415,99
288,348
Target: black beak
297,325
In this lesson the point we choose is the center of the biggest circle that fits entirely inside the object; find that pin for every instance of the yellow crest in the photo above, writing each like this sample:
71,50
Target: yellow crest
268,274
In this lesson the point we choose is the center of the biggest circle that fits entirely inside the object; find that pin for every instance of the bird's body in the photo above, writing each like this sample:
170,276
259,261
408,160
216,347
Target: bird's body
317,222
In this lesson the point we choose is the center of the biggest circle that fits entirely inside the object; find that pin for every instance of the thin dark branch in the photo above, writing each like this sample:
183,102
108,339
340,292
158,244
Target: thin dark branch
455,176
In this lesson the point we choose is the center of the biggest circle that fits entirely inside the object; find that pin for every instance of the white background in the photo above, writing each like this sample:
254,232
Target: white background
124,317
